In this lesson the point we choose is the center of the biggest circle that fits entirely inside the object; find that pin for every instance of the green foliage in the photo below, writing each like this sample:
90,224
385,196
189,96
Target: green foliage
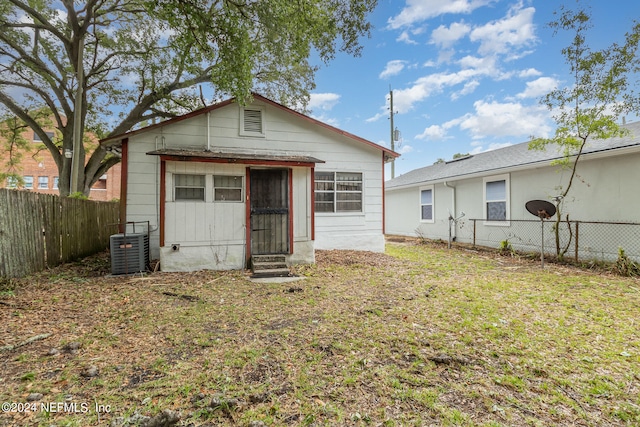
625,266
153,71
78,195
588,108
505,248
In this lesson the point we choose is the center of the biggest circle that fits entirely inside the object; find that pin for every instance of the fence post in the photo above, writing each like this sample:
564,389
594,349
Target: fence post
577,234
474,232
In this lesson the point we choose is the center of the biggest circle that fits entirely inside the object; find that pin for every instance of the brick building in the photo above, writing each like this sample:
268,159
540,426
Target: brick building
40,174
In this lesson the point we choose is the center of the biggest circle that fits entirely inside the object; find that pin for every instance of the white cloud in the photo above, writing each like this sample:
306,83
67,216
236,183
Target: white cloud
406,38
323,101
538,87
393,68
433,133
501,36
506,119
468,88
444,37
529,72
404,149
376,117
420,10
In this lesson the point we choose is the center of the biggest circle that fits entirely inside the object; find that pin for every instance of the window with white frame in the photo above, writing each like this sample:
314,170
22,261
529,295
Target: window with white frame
227,188
43,182
338,191
56,181
37,138
252,121
426,204
28,182
12,182
188,187
496,198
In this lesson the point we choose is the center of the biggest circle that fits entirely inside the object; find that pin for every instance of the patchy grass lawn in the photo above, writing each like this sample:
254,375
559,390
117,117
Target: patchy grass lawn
418,336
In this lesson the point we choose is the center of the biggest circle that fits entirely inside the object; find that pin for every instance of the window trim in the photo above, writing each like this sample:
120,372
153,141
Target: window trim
241,188
243,131
335,192
28,179
36,137
433,204
12,182
42,180
204,188
56,182
504,177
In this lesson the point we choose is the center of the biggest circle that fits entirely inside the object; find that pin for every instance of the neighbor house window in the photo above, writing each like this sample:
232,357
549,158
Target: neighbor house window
56,181
189,187
252,121
36,137
227,188
28,182
12,182
496,198
338,191
43,182
426,204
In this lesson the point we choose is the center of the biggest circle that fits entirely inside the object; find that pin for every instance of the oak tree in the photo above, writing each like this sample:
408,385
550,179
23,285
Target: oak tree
108,65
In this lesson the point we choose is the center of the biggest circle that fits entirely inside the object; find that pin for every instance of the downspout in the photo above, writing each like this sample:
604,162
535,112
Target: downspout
453,205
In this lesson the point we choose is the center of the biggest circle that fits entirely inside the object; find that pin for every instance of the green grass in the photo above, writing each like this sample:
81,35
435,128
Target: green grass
420,336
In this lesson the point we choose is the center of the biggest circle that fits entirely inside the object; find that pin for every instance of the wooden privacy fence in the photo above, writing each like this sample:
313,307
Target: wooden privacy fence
42,230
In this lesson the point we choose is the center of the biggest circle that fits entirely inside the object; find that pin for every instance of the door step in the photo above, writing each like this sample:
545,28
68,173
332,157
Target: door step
269,266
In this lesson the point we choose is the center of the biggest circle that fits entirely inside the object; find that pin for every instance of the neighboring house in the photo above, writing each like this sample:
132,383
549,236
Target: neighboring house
40,174
494,186
226,182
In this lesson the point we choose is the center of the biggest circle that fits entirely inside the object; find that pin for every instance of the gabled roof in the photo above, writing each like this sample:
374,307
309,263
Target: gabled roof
116,139
500,160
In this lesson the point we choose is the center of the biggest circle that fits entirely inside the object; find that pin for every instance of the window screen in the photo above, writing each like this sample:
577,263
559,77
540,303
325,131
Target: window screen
338,191
189,187
496,200
227,188
426,205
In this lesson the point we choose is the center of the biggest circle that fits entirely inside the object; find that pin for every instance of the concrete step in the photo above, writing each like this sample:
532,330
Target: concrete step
268,265
269,258
274,272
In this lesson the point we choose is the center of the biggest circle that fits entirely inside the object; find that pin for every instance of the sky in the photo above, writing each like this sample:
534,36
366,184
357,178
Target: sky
467,75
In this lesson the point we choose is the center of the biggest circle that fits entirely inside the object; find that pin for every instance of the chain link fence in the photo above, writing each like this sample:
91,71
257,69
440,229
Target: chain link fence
583,240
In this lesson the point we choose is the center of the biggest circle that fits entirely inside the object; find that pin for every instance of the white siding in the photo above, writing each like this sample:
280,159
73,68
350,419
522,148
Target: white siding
604,189
212,226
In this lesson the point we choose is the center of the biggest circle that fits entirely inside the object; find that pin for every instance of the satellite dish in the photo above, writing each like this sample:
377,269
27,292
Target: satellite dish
543,210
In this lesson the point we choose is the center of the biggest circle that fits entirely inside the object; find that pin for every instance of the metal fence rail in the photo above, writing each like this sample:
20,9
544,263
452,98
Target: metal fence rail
586,240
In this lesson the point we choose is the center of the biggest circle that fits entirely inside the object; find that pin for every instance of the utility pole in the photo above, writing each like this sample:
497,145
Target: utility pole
393,144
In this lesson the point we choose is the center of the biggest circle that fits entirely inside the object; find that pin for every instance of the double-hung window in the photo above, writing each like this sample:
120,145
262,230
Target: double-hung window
338,191
496,198
28,182
227,188
189,187
426,204
43,182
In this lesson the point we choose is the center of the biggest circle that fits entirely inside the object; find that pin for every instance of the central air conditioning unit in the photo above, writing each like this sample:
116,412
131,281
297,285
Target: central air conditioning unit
129,253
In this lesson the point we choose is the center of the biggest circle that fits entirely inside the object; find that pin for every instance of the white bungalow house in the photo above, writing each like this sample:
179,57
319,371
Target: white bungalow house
493,187
226,182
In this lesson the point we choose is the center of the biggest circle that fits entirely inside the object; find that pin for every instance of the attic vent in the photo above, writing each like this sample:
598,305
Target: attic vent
252,123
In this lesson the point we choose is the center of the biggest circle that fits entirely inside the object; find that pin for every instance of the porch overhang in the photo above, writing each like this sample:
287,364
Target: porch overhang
235,157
